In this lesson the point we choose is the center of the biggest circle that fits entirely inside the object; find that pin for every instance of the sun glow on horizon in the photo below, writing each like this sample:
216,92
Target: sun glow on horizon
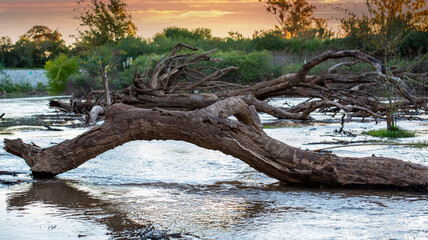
151,17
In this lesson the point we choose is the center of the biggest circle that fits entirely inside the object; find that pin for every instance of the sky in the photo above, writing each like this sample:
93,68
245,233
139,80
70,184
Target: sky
151,16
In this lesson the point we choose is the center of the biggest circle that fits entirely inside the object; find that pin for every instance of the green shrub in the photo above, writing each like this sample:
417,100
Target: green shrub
10,87
292,68
415,44
124,79
40,87
253,67
81,80
59,70
132,47
394,132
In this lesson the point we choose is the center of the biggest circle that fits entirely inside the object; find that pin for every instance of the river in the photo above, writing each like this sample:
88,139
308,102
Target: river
203,194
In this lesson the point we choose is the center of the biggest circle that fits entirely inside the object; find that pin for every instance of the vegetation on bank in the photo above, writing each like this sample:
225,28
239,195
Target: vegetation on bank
10,86
109,44
394,132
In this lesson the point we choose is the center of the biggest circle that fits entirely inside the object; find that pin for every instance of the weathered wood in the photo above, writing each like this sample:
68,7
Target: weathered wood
163,87
94,113
211,128
106,87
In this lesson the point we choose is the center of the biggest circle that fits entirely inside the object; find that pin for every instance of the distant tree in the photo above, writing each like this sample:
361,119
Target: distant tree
235,35
320,30
105,21
132,47
46,44
24,54
398,14
33,48
357,30
184,33
293,16
203,33
40,33
387,24
5,49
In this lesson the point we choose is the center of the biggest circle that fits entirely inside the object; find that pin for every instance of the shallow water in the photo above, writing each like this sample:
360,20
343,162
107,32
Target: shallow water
180,187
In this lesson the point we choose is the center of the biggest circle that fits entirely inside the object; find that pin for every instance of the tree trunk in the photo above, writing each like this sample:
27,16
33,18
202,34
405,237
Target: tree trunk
106,87
211,128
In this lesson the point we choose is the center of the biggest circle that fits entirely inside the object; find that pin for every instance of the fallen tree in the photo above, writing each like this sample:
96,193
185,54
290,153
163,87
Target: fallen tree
212,128
180,82
181,100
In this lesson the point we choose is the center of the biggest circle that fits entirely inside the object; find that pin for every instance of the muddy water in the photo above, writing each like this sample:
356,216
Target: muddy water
179,187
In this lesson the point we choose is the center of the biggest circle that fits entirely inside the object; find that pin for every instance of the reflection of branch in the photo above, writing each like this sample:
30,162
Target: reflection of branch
67,198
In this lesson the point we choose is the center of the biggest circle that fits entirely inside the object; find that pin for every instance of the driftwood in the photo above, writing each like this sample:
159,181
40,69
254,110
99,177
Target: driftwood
211,128
177,82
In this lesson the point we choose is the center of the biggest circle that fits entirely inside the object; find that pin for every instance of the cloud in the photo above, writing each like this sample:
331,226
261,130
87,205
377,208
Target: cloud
153,15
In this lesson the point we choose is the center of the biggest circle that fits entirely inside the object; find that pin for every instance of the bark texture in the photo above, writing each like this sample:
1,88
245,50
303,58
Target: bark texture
180,82
211,128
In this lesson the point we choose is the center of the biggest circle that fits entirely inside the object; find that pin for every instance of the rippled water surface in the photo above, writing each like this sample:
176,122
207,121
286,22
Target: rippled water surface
179,187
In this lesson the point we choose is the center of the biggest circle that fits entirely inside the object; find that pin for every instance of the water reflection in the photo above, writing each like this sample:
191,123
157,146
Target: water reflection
72,203
224,210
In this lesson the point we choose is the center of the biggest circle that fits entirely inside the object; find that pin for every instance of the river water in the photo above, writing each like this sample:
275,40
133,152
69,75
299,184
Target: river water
203,194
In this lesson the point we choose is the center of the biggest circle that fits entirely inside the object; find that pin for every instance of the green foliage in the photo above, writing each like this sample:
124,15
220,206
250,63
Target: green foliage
387,26
125,77
59,70
33,48
269,40
394,132
10,87
294,16
81,80
132,47
184,33
100,59
253,67
415,44
357,30
39,44
40,87
292,68
106,22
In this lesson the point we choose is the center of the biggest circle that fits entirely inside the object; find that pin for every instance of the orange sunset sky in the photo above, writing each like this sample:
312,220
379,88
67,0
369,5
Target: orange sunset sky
151,17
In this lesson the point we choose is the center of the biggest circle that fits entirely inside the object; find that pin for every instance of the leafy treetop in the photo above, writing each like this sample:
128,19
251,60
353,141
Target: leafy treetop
106,21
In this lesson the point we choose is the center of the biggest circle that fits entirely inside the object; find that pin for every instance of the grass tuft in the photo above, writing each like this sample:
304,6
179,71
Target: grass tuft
394,132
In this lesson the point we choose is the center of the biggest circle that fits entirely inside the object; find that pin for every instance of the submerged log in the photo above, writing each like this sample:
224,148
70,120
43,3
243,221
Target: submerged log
211,128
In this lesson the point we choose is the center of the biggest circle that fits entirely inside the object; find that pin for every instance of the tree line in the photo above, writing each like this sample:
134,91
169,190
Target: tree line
109,41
